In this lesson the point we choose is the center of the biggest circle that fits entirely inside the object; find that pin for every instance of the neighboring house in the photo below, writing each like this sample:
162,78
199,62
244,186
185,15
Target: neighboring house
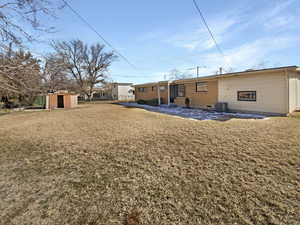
103,93
113,91
274,90
122,91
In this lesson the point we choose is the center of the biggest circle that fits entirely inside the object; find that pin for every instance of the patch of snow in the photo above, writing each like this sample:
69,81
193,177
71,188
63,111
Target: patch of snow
193,113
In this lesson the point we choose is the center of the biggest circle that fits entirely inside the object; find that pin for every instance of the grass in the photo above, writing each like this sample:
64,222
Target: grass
296,114
107,164
4,112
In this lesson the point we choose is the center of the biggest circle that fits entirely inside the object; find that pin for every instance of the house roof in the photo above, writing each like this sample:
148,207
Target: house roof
123,84
151,84
246,72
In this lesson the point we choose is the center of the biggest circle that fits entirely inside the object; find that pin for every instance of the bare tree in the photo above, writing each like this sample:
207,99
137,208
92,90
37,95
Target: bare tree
14,14
55,74
88,65
176,74
229,69
20,76
261,65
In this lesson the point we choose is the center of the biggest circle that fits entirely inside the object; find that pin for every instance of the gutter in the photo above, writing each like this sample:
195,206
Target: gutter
210,77
158,93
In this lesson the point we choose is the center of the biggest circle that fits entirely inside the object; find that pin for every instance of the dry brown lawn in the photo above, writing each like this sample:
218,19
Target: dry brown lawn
107,164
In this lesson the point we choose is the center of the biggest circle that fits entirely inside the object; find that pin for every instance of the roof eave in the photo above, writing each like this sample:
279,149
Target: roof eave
212,77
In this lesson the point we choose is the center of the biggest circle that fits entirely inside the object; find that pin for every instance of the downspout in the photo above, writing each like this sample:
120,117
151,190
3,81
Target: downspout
168,93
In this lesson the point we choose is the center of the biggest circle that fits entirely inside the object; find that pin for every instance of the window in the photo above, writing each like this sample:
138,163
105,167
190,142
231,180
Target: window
153,88
247,96
162,88
201,87
142,89
181,90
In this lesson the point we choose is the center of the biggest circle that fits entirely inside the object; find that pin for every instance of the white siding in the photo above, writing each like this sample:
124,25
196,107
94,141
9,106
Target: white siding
298,93
271,90
114,91
294,91
125,93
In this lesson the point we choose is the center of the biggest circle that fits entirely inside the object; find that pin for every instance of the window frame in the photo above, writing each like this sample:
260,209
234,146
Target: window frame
203,82
142,88
246,100
178,88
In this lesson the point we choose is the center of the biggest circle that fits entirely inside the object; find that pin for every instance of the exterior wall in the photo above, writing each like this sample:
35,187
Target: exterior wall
294,91
199,99
70,101
147,94
105,94
151,93
74,101
271,90
52,101
163,94
114,92
67,101
125,93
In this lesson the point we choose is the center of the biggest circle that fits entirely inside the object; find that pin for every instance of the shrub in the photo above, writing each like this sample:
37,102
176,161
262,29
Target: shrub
141,102
187,102
10,105
152,102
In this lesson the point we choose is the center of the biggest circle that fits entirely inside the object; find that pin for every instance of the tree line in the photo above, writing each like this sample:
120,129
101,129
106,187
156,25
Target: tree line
71,65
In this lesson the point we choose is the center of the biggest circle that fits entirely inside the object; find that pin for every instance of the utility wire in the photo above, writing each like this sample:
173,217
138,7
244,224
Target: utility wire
99,35
151,76
129,76
209,30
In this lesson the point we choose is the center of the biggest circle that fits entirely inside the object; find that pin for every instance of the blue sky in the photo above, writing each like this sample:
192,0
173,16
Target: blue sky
158,36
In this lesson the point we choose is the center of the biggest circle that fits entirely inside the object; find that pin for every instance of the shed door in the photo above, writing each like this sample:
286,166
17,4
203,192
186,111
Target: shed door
60,101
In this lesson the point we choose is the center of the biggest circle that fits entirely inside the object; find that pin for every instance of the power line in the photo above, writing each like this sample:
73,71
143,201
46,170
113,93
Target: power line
99,35
132,76
162,73
209,30
129,76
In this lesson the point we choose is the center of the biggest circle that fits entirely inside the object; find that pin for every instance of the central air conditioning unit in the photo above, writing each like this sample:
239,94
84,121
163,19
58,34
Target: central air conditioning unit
221,107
